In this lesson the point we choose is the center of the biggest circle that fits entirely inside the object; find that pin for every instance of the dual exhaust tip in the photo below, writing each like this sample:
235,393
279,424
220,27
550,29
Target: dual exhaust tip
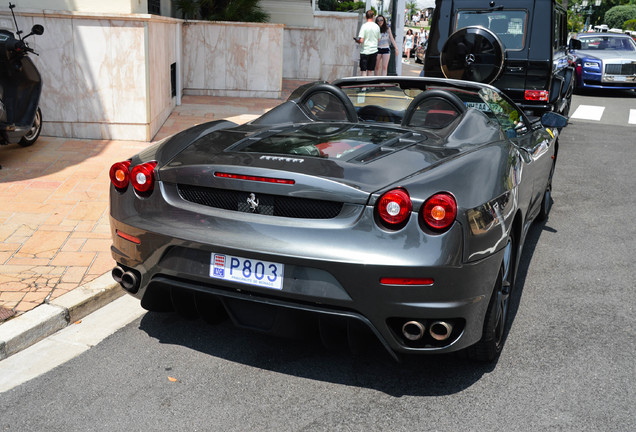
438,330
129,280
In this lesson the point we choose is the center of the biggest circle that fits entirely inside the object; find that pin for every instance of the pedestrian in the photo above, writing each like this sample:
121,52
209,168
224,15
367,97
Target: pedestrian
384,51
368,38
408,44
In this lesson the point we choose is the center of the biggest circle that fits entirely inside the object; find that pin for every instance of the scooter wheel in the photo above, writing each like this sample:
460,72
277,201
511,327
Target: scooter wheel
34,132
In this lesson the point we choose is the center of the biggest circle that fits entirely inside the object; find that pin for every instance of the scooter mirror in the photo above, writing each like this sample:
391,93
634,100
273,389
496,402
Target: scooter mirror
37,29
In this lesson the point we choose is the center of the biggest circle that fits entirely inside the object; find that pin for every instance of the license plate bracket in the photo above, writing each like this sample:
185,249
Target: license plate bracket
248,271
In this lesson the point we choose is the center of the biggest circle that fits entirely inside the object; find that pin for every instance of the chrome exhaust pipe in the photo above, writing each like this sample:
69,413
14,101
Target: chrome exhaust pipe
440,330
117,273
130,282
413,330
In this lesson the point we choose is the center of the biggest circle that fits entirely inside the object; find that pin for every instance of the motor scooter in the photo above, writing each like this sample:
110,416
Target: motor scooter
20,88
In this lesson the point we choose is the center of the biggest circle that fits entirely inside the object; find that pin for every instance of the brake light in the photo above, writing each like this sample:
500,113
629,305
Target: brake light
537,95
142,177
394,207
253,178
120,174
439,211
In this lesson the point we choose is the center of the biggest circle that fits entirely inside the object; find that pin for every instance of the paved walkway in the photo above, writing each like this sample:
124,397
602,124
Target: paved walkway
54,229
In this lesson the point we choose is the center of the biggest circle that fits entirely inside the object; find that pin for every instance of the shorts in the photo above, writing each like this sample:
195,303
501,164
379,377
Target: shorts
367,61
384,51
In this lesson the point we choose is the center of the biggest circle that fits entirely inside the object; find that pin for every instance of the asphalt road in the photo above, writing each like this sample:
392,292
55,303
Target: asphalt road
568,363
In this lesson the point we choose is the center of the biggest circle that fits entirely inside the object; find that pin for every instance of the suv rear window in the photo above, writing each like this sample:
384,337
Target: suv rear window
508,25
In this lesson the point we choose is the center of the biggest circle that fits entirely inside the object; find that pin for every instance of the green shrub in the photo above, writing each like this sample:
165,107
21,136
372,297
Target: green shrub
616,16
222,10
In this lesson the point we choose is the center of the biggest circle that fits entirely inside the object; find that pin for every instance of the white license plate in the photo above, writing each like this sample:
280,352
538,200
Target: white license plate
248,271
620,78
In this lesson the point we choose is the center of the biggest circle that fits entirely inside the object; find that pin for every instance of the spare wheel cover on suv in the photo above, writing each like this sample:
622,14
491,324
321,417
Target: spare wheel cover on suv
474,54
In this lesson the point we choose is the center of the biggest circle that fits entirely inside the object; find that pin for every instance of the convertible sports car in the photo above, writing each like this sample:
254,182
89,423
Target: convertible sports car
390,206
604,60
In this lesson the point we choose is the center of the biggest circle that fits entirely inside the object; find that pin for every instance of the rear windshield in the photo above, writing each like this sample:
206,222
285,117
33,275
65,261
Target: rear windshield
508,25
330,141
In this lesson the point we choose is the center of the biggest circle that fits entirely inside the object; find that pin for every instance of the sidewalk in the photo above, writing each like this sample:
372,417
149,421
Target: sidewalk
55,259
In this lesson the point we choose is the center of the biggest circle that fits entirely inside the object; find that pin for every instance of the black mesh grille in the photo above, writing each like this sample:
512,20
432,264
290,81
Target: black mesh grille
273,205
621,69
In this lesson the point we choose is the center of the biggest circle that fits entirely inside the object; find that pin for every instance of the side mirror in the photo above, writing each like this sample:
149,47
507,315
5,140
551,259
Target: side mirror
554,120
575,44
37,30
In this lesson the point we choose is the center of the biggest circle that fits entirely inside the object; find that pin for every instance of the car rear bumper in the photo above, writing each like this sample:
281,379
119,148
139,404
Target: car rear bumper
315,286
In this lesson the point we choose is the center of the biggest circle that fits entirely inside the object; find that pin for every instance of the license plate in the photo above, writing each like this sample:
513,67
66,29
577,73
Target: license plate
248,271
620,78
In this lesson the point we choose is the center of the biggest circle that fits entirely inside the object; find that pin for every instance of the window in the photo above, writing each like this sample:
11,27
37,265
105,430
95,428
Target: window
154,7
510,119
508,25
560,29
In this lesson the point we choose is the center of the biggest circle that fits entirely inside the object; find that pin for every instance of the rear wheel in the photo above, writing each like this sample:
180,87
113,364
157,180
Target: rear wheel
546,202
496,321
34,132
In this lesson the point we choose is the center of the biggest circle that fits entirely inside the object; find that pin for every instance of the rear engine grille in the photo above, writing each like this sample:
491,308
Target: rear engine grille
272,205
621,69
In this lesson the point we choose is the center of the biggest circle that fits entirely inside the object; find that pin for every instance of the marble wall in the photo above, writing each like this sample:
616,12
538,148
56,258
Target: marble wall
108,76
232,59
98,79
325,51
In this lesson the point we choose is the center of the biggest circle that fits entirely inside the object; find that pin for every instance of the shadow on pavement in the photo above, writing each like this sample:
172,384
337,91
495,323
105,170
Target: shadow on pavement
371,367
46,157
307,358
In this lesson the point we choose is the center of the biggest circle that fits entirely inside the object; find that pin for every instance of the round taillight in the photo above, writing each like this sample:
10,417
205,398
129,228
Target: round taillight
439,211
394,207
142,177
120,174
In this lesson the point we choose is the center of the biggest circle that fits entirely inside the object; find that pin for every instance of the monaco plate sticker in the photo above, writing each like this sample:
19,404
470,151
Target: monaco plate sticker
248,271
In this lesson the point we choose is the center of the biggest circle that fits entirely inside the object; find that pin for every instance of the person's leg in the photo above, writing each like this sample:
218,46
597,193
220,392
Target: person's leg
371,64
378,65
363,65
385,63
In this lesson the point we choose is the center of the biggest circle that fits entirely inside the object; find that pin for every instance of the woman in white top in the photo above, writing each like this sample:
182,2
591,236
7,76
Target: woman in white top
384,51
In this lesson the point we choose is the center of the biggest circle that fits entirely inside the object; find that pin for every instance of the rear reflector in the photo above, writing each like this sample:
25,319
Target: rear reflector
128,237
254,178
406,281
537,95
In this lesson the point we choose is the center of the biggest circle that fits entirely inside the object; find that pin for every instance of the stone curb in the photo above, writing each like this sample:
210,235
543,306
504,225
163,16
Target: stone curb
22,332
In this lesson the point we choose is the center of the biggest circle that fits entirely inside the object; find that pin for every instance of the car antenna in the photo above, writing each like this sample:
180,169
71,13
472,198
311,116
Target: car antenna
17,30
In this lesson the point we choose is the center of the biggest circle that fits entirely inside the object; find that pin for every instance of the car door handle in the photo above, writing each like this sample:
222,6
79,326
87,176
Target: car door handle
515,69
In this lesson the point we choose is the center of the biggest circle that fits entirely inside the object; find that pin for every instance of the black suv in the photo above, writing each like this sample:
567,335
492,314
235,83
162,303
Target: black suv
517,46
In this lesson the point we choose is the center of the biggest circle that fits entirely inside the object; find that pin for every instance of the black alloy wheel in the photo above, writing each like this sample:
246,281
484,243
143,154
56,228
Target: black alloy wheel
34,132
496,321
